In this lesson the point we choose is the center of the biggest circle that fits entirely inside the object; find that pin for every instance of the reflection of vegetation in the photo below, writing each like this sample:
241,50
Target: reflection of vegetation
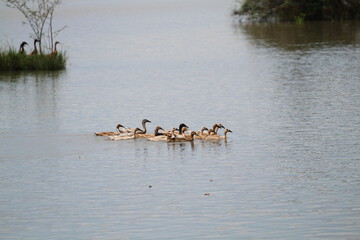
291,36
11,60
41,76
299,10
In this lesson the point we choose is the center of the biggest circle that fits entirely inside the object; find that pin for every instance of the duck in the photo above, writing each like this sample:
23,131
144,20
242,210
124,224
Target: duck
118,131
172,130
178,138
156,133
181,133
181,128
201,134
217,137
144,121
126,136
55,52
215,128
21,49
166,135
35,51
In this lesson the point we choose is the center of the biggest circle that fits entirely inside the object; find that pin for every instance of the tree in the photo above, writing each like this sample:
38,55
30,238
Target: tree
39,15
298,10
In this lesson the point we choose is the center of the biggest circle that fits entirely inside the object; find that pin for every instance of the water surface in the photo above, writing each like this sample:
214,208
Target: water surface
290,94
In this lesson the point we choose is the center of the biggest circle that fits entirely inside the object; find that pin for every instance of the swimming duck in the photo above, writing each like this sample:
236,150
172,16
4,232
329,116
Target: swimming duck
166,135
178,138
144,121
181,133
126,136
181,128
215,128
201,134
217,137
118,131
156,133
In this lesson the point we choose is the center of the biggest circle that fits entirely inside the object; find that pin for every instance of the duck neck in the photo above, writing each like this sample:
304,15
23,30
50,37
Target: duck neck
156,132
215,129
137,130
182,130
173,133
144,126
202,131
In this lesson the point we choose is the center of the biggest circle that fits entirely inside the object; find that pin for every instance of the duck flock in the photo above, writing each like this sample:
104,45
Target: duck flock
180,134
35,51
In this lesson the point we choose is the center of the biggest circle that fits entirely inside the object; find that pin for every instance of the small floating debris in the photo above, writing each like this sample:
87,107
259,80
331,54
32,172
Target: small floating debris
206,194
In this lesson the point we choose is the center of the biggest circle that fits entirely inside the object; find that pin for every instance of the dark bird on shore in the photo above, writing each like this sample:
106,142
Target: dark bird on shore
55,52
35,51
21,49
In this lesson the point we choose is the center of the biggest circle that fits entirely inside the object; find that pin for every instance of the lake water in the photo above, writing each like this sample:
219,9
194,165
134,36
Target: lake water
290,94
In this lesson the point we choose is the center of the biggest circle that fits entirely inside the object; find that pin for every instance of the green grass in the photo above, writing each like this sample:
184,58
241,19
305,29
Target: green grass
300,18
11,60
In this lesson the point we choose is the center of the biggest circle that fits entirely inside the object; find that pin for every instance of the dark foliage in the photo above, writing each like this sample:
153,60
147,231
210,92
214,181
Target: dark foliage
11,60
292,10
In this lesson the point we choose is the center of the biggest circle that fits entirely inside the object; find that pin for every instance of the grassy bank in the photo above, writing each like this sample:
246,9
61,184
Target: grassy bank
11,60
298,10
